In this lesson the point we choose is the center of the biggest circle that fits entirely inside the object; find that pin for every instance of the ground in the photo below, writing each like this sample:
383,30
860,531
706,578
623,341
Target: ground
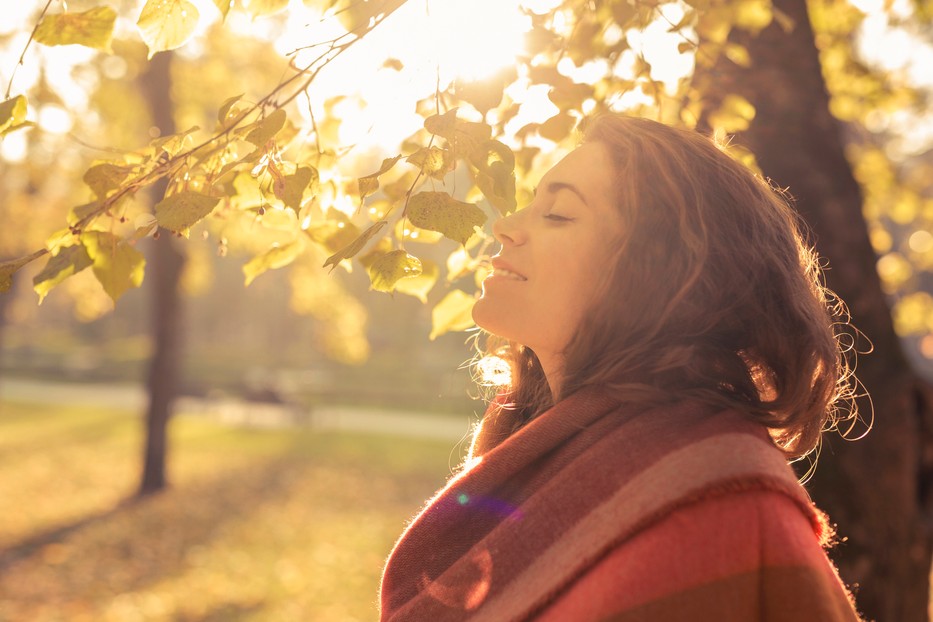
258,525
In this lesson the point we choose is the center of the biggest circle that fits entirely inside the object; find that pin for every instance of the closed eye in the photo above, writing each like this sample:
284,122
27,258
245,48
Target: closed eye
558,217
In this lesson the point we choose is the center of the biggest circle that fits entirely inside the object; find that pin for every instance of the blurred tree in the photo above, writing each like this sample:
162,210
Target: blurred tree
879,488
166,310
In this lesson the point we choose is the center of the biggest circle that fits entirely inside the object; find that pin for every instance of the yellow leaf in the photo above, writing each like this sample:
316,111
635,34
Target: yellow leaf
69,260
419,286
93,28
261,8
264,129
292,188
558,127
7,268
438,211
12,112
102,178
117,265
356,245
180,211
735,113
370,183
275,257
387,270
167,24
223,6
432,161
454,312
225,108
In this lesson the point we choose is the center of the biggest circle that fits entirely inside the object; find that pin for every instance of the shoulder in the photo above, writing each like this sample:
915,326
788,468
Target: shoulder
747,551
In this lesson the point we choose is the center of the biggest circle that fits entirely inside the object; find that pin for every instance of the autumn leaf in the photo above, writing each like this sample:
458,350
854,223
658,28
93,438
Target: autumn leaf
225,107
92,28
167,24
275,257
102,178
557,127
261,8
181,211
354,247
70,260
432,161
387,270
454,312
290,190
223,6
264,129
438,211
12,113
419,286
370,183
117,265
8,268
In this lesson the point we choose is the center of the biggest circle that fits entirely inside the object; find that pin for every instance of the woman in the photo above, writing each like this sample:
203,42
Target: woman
671,347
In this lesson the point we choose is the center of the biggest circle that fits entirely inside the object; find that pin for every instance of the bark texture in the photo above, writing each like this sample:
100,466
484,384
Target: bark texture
876,489
165,269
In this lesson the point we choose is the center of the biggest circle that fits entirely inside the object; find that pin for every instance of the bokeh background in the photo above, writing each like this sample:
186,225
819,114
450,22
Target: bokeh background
314,416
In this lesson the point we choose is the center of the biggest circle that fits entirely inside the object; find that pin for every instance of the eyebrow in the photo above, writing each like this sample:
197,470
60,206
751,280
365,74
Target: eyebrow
556,186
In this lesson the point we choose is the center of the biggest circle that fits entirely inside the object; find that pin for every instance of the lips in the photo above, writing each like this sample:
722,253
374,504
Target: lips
506,270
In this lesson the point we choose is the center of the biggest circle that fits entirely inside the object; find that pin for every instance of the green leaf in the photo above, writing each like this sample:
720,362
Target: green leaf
386,271
12,112
225,107
264,129
432,161
275,257
117,265
290,189
453,312
69,260
370,183
356,245
438,211
261,8
102,178
180,211
93,28
167,24
570,96
419,286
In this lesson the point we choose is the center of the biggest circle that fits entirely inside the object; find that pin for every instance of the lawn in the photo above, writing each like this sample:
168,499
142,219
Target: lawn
257,525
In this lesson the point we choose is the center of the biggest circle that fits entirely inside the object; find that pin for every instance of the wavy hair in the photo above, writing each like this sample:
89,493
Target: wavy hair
713,294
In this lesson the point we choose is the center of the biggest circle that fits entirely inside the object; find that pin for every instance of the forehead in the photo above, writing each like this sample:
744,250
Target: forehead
589,167
590,170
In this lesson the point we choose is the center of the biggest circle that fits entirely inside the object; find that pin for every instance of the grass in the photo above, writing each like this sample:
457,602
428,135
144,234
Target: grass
258,525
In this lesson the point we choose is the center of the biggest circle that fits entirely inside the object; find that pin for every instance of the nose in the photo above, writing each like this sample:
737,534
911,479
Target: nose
509,231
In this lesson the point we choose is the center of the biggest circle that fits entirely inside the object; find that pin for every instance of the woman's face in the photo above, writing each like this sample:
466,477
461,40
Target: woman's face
554,253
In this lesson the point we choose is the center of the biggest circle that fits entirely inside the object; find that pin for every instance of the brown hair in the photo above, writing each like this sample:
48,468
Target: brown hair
713,294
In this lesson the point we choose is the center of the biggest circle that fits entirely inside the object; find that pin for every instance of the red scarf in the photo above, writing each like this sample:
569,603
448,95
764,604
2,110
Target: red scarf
518,525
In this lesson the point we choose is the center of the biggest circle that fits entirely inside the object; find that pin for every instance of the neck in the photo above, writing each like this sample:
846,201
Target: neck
553,368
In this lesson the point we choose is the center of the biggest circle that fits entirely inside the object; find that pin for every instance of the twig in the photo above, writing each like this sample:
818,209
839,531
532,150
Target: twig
9,87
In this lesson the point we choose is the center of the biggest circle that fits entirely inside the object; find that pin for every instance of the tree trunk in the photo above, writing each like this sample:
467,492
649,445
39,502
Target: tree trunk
164,274
875,489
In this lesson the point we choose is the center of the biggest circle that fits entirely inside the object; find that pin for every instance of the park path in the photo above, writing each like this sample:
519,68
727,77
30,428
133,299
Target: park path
243,413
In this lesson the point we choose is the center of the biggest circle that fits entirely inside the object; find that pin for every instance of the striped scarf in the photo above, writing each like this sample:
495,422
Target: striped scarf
522,523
